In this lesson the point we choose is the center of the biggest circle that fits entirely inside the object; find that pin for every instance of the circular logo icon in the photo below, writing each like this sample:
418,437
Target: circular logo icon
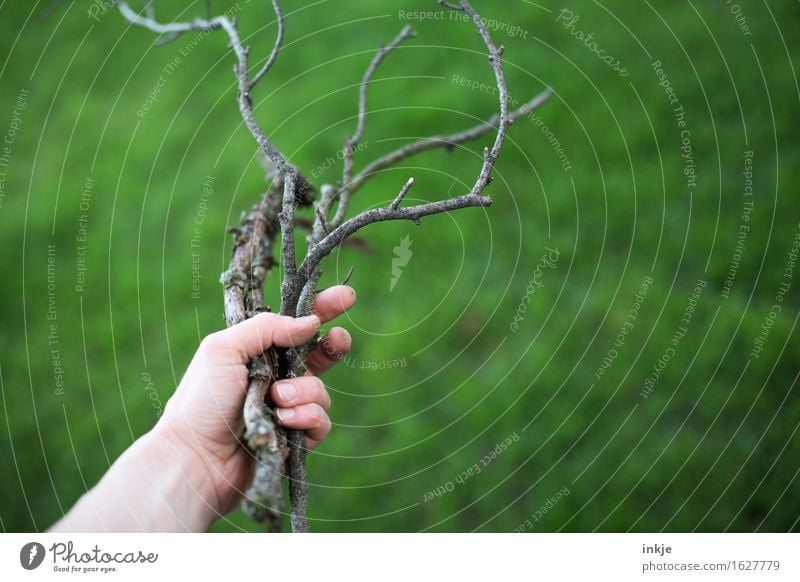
31,555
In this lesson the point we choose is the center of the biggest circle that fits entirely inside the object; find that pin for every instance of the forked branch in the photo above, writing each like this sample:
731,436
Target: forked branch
276,218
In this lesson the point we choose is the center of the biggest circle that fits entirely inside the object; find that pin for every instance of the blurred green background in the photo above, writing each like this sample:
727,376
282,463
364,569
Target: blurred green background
712,446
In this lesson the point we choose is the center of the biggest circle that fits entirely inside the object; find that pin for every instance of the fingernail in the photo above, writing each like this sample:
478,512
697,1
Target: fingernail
346,337
285,414
287,391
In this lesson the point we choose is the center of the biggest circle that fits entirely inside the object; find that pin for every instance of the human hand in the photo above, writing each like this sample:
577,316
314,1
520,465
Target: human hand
203,419
192,468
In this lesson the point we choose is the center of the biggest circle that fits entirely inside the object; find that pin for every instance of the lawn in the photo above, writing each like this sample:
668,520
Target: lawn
610,347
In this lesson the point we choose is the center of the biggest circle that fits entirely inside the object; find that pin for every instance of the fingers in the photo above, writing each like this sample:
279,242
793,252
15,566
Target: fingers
302,405
257,334
311,418
334,301
329,350
300,390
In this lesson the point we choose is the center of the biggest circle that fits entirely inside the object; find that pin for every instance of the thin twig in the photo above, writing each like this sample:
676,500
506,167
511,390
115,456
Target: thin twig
348,276
310,265
413,213
302,185
151,24
444,141
406,187
451,6
322,220
495,60
350,143
275,49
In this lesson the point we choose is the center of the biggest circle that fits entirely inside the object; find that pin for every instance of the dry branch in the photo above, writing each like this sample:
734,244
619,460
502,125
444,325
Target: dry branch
352,142
276,217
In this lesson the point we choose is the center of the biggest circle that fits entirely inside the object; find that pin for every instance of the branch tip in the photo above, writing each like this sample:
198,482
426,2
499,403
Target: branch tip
406,187
347,278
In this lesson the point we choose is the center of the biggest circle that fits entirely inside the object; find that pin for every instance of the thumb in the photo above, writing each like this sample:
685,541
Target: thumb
254,336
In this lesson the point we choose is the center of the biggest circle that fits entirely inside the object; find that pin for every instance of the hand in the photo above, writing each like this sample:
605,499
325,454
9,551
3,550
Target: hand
191,468
204,416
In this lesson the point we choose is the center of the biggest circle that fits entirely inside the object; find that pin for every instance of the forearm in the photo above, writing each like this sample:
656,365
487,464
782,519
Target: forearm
155,486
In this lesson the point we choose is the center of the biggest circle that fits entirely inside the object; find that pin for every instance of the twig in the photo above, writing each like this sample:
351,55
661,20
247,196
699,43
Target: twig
396,204
322,220
275,50
350,143
253,251
451,6
495,59
444,141
303,186
348,276
413,213
310,265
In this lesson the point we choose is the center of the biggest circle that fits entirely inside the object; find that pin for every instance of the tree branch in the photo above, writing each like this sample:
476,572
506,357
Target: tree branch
413,213
253,249
287,232
350,143
445,141
396,204
304,189
475,197
243,292
275,49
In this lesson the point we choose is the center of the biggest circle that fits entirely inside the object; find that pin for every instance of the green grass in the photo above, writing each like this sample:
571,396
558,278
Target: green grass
713,447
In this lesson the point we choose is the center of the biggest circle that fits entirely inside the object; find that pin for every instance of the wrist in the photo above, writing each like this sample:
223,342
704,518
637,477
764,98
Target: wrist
156,485
181,478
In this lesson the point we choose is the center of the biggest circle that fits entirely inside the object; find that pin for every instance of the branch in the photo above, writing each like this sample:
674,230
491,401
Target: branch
150,23
495,60
396,204
287,233
253,251
243,291
310,266
445,141
451,6
350,143
303,186
414,213
275,50
263,501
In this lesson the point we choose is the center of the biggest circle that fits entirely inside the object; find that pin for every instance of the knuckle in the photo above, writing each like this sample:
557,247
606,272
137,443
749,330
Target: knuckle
268,319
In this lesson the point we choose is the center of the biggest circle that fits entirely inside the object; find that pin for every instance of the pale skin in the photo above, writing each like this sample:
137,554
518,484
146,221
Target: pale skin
191,468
